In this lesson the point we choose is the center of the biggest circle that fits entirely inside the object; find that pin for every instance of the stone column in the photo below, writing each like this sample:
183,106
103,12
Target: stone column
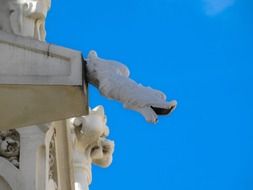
32,156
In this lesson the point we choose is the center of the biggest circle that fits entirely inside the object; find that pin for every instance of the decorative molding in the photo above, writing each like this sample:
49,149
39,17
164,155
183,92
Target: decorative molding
10,146
51,160
90,146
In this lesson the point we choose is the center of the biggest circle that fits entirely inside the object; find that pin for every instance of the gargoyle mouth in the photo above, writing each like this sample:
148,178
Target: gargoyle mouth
163,111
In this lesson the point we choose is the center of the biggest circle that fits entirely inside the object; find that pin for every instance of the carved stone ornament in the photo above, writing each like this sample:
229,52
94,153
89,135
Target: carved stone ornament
112,80
24,17
52,183
90,145
10,146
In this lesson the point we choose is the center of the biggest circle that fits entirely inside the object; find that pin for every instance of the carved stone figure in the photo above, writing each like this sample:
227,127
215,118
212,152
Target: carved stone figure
10,146
90,145
112,80
24,17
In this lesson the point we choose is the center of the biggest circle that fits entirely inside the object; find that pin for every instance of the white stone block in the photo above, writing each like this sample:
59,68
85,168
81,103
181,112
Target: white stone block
39,82
27,61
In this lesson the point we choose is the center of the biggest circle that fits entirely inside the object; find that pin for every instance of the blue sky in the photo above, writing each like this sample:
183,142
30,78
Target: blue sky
199,52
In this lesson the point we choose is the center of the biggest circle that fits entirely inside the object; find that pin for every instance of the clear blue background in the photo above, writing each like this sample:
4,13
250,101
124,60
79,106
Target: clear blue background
199,52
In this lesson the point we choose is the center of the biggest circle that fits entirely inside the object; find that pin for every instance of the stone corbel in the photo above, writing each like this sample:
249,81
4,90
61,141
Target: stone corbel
90,146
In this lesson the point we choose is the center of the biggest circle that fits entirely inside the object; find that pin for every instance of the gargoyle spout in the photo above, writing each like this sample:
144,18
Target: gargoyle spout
112,80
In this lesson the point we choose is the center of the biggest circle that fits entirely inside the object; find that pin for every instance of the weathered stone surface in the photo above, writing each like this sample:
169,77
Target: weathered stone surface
24,17
26,105
89,145
112,80
28,61
39,82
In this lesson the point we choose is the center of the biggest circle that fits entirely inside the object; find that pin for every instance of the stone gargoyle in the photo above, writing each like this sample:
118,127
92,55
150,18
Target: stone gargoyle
91,130
90,145
112,80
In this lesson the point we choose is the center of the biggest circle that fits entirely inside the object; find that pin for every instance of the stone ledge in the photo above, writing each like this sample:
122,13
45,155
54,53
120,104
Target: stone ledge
39,82
28,61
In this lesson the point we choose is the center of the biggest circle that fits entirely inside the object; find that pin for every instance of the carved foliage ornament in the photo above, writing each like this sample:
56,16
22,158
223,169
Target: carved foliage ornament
10,146
52,173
